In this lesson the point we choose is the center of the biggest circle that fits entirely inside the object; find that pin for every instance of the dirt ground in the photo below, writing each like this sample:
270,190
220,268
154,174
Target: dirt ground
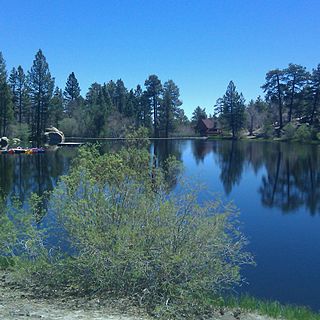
16,304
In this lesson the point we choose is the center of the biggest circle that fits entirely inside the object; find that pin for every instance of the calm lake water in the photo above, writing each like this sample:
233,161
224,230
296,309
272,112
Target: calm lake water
276,186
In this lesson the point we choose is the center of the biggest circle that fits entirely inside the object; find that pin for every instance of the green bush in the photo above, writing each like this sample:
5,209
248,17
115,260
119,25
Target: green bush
20,131
69,126
131,238
303,133
268,131
289,131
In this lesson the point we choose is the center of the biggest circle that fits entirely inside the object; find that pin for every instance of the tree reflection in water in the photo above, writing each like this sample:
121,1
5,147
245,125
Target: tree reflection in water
290,172
22,174
292,177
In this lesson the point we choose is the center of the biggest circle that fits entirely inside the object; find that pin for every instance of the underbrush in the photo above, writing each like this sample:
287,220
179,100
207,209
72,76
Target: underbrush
124,234
272,309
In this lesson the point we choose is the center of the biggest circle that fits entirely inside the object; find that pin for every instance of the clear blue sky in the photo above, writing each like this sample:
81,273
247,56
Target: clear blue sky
200,44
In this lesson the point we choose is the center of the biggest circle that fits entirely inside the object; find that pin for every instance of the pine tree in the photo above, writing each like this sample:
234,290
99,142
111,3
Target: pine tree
71,93
41,86
143,110
120,96
314,93
169,107
295,77
55,112
198,114
20,97
275,88
6,110
13,79
154,88
233,112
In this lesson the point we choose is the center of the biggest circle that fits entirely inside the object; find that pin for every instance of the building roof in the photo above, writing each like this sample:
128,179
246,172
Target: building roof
209,123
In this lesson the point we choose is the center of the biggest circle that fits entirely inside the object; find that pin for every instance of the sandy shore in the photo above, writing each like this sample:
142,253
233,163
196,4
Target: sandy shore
16,304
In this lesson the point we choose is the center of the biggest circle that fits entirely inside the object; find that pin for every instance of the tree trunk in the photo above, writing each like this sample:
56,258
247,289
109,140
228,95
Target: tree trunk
251,126
314,107
280,104
155,118
291,99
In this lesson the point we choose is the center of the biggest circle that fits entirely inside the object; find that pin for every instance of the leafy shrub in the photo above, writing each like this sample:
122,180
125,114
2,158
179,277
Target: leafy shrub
20,131
268,131
289,131
131,238
69,126
303,133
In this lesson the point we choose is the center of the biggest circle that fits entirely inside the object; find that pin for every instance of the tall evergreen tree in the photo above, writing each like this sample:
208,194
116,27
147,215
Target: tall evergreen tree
41,86
255,111
314,94
169,107
6,110
20,98
198,114
98,106
13,79
71,93
233,112
56,108
120,96
274,89
154,88
23,102
143,110
295,77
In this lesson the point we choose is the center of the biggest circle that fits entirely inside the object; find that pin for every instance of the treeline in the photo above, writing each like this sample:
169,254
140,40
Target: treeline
290,108
29,102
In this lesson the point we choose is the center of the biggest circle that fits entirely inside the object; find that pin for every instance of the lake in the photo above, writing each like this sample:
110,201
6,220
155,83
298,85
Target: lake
276,186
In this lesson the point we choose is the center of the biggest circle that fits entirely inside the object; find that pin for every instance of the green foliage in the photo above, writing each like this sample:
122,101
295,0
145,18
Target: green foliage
6,110
267,131
41,85
69,126
21,241
303,133
270,308
153,90
233,110
169,108
289,131
20,131
198,114
131,238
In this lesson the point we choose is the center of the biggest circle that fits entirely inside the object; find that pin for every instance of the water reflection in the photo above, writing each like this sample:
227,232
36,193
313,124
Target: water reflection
22,174
292,177
289,179
163,150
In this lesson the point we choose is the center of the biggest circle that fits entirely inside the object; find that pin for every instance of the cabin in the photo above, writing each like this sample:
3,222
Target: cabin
208,127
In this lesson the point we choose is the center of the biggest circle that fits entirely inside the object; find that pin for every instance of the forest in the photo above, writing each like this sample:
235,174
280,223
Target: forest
30,102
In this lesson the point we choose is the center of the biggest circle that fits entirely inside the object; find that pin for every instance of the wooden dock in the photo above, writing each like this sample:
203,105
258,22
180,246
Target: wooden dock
70,144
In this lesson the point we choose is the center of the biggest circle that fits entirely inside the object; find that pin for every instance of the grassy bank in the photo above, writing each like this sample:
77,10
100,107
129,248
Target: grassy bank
253,138
272,309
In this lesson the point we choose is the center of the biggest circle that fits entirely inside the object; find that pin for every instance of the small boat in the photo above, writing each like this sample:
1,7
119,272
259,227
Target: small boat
20,150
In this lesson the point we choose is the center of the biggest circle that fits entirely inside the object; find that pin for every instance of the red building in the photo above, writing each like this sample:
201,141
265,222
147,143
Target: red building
207,127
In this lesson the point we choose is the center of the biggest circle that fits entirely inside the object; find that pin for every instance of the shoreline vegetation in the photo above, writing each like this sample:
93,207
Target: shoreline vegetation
30,102
118,232
29,303
125,237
